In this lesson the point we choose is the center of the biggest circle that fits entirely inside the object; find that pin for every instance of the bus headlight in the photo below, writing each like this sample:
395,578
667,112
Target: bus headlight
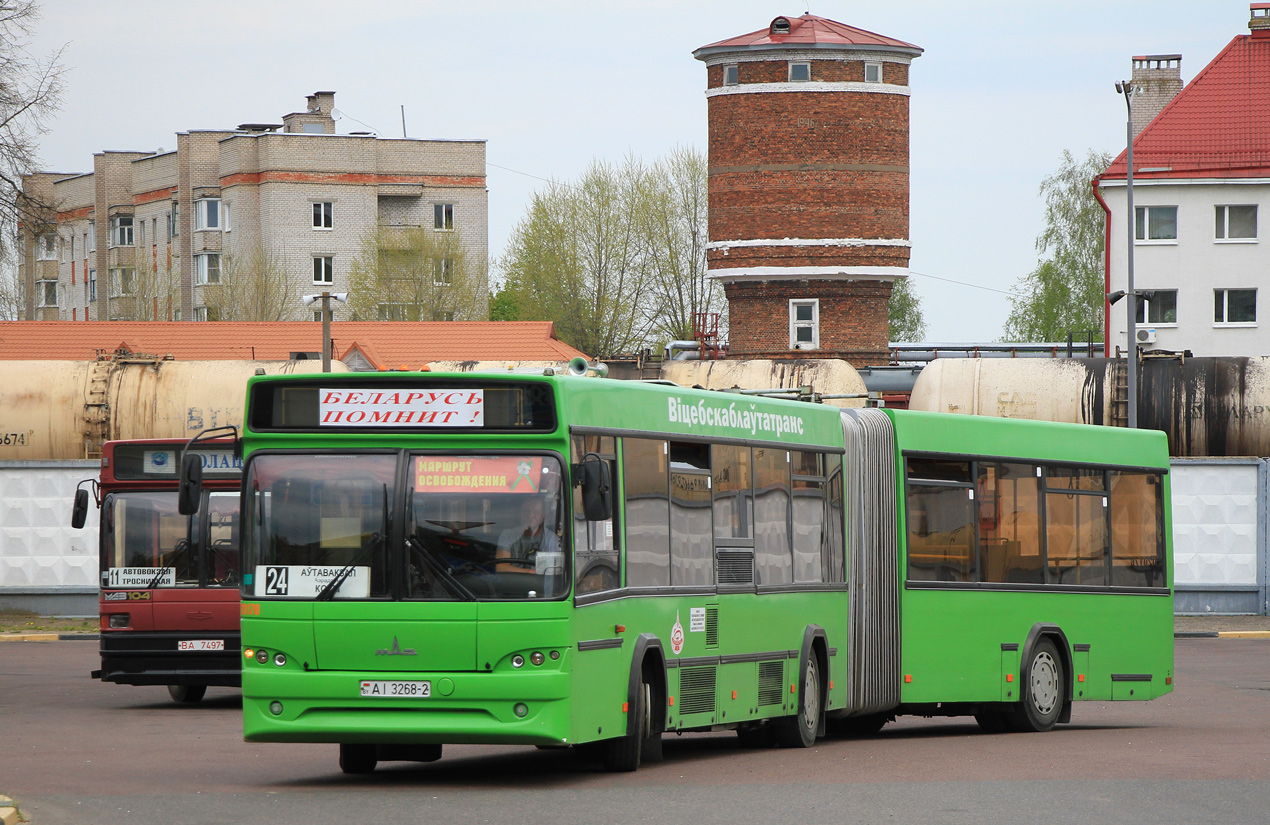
279,659
518,661
537,658
275,707
262,656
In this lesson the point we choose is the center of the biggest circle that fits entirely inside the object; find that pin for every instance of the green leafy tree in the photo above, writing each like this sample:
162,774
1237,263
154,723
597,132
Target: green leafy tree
577,259
617,259
503,305
1064,293
416,274
907,323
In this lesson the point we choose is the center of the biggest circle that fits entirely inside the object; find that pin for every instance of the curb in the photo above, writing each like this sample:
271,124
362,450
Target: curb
8,813
48,637
1244,634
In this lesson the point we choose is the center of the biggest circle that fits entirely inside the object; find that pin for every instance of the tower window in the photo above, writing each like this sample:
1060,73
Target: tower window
872,72
804,323
799,72
780,25
730,76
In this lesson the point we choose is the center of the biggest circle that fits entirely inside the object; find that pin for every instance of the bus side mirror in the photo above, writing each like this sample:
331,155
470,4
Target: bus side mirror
597,489
80,513
191,485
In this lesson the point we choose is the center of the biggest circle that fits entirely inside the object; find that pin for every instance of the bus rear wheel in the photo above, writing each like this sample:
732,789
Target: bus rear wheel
188,694
799,730
357,758
1044,687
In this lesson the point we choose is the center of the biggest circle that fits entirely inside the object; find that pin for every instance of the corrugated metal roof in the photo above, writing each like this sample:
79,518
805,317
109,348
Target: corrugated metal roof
388,345
810,31
1217,126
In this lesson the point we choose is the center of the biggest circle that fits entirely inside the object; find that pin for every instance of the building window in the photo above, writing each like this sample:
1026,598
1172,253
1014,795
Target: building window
799,72
1234,306
47,290
398,312
92,236
207,214
317,315
324,269
174,220
121,230
46,247
442,315
206,314
804,324
872,72
1157,306
1236,223
442,271
323,215
443,216
1156,223
92,285
207,268
731,75
123,282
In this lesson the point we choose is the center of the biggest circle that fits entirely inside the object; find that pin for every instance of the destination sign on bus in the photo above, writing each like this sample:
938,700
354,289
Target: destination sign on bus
305,581
141,577
479,474
164,462
382,407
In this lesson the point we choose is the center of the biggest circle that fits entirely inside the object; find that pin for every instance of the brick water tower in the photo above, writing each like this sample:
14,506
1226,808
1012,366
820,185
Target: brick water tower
808,159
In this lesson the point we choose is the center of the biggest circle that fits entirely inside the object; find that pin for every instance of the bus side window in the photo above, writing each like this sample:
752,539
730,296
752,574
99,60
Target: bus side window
646,504
810,516
1137,529
940,517
597,565
772,555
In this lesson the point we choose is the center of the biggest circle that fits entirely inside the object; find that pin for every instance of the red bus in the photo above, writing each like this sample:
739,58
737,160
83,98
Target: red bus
169,583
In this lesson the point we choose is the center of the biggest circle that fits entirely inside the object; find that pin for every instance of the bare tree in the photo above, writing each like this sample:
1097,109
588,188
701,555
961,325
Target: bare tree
30,92
673,218
253,286
153,288
416,274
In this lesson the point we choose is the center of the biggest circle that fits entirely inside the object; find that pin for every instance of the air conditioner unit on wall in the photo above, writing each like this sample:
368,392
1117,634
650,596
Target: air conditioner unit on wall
1146,335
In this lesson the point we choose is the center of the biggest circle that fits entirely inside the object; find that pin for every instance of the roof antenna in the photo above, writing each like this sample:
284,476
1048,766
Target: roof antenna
403,120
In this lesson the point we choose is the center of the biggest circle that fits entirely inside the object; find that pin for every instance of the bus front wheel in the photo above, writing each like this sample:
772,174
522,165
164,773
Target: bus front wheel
799,730
1043,689
624,752
188,694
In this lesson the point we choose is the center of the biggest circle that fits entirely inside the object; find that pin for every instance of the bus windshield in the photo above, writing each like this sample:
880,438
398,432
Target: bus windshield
476,527
146,542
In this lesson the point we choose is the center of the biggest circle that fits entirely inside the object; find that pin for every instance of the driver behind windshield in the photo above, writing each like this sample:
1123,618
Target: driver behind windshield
521,546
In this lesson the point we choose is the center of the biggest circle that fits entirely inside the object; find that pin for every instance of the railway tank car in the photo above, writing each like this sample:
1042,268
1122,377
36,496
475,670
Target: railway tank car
1206,406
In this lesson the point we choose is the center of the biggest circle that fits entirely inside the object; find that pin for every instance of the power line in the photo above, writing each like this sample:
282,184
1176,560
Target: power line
963,283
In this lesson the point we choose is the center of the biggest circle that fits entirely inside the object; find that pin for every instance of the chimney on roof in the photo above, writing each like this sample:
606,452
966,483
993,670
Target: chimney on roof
1159,76
1259,19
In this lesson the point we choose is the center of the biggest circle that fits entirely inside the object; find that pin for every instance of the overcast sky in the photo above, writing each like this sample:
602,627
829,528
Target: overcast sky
1003,87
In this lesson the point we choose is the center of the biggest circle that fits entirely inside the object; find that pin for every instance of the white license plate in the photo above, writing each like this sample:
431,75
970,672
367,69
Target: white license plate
395,690
201,644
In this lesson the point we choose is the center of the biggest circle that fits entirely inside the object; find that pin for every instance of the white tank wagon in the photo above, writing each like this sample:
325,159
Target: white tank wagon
66,409
825,376
1206,406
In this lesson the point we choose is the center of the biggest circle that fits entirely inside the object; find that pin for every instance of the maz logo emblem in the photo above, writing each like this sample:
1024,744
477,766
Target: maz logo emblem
396,650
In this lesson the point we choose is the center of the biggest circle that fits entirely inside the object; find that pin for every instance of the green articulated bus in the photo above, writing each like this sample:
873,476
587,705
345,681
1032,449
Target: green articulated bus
566,561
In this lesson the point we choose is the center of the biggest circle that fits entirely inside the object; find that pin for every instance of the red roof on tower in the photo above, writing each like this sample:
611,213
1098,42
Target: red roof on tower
1218,126
808,31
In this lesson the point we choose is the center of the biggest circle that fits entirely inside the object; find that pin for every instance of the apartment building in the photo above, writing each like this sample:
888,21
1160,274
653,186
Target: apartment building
147,236
1201,158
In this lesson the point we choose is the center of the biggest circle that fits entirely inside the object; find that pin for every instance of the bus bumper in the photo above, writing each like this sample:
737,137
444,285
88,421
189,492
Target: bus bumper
464,708
140,658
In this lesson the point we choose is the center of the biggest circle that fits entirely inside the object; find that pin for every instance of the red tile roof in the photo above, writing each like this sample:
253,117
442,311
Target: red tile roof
1218,126
812,31
385,344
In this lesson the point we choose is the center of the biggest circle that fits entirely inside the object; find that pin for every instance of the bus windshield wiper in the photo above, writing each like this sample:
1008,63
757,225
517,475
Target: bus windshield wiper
377,539
181,547
444,571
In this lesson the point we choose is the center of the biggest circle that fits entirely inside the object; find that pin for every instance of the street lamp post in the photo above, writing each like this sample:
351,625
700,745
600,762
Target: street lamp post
1127,89
325,298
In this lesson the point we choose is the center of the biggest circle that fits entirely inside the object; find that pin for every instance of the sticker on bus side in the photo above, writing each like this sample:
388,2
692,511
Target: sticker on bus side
304,581
401,408
141,577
